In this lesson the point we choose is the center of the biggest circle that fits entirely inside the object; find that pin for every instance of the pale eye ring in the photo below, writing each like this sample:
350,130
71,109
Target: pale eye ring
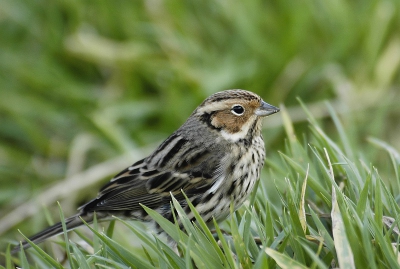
238,110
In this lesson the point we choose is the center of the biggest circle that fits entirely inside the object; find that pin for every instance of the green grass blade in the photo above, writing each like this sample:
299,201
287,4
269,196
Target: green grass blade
80,257
71,261
318,263
126,256
43,255
166,225
23,259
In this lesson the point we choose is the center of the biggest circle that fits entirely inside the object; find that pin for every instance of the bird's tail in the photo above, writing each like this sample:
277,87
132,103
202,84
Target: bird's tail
70,223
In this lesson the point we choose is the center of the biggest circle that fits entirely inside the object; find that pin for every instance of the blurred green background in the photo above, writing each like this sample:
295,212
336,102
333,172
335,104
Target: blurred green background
89,87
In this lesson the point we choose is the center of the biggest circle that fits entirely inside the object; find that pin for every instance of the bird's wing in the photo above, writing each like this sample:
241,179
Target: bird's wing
151,183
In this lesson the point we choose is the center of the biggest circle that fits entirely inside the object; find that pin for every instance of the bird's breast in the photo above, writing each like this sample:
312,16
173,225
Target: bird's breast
246,172
241,171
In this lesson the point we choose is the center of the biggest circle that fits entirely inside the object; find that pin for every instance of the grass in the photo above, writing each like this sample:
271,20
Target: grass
324,209
89,87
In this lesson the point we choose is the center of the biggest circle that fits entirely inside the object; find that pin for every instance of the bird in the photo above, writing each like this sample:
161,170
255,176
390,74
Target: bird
214,158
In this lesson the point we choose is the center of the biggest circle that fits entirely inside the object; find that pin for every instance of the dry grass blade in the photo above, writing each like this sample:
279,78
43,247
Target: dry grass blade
396,251
343,249
302,211
284,261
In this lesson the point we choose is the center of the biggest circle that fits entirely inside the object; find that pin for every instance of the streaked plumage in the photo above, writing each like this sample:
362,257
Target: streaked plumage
216,156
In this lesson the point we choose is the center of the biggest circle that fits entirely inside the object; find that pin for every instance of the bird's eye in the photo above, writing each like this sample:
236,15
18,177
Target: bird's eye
237,110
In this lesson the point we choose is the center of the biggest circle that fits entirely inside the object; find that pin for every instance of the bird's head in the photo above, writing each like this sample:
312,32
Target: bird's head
235,113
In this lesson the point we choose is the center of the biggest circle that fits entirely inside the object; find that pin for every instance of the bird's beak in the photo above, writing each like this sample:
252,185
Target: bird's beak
266,109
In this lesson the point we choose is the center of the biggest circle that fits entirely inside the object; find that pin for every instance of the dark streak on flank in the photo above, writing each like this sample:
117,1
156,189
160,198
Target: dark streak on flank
231,189
175,149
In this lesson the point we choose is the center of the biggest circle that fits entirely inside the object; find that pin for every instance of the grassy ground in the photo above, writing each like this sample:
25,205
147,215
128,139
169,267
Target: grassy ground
87,88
